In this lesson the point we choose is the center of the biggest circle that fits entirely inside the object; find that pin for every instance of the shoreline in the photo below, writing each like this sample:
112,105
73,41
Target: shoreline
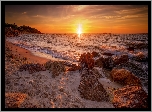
24,53
64,83
63,88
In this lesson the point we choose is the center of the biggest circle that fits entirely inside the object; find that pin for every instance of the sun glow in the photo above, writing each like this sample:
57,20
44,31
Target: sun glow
79,30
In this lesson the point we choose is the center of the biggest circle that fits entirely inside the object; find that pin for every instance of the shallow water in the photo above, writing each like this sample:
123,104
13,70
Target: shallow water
70,46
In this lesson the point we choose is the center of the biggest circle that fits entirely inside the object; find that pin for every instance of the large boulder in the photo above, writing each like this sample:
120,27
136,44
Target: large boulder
90,88
133,68
130,97
86,61
124,77
14,100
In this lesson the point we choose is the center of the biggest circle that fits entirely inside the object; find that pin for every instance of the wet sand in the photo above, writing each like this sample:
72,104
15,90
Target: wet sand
22,53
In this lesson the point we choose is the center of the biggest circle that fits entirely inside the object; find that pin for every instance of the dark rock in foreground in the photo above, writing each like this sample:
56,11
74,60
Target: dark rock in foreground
86,61
90,88
130,97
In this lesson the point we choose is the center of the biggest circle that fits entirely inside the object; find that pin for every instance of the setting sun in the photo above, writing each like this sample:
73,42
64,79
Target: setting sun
79,31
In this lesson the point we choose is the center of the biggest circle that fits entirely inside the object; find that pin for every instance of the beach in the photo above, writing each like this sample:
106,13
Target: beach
43,77
21,52
40,90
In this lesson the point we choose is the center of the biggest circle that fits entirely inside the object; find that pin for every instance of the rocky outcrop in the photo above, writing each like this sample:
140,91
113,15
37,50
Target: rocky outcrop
130,97
55,67
124,77
109,62
86,61
32,67
90,88
133,68
14,100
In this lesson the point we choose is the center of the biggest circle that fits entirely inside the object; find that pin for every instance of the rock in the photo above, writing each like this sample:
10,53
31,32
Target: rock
95,54
56,67
134,68
32,67
123,59
96,72
105,62
130,48
14,100
130,97
86,61
124,77
141,57
98,62
48,64
107,54
140,45
90,88
74,67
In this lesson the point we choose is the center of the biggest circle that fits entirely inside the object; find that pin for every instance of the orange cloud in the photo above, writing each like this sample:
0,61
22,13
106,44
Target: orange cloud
94,18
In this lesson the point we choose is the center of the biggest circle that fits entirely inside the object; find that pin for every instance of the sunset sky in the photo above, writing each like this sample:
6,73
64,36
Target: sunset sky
92,18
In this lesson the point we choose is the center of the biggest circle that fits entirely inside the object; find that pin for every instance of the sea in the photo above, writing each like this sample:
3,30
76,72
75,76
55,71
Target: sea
69,47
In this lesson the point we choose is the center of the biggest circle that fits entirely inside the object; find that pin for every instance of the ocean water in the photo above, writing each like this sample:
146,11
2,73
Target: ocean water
69,47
